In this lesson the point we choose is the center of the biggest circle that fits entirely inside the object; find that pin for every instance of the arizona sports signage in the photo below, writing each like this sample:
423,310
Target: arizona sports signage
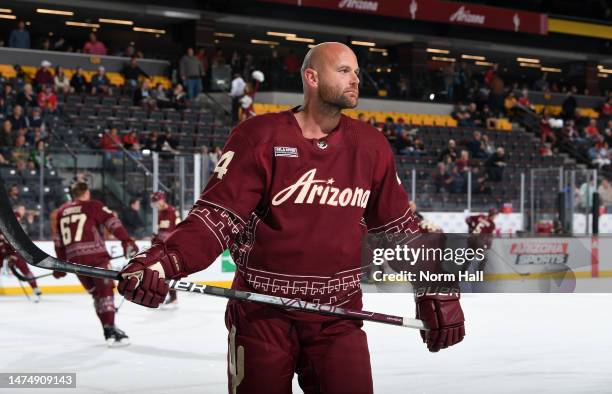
540,252
437,11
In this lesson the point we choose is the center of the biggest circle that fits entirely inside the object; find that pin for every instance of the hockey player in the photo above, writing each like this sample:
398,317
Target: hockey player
292,197
79,240
15,260
167,219
482,224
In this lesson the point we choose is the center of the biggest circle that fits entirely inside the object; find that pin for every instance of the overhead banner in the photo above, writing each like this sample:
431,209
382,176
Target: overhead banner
437,11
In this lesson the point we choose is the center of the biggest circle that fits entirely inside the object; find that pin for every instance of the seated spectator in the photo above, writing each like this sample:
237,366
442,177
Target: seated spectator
605,194
479,181
442,178
14,195
36,120
143,96
131,72
458,182
524,100
7,137
152,142
18,119
44,76
388,130
179,97
78,82
592,131
461,115
132,144
47,100
509,102
372,122
20,152
34,135
100,82
606,110
598,154
475,119
168,143
161,97
111,142
94,46
463,162
36,155
608,132
451,151
60,81
486,118
9,95
475,146
546,132
496,164
26,218
27,98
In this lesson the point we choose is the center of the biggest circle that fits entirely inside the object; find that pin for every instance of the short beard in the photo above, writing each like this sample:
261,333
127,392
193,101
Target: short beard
333,99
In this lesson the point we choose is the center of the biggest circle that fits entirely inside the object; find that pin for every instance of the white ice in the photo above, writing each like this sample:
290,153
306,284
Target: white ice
538,343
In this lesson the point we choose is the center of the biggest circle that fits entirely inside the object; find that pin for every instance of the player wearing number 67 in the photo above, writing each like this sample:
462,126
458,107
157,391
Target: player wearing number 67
78,240
292,198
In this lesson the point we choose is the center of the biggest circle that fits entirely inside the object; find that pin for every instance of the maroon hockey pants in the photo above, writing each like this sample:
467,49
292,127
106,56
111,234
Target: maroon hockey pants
267,346
22,266
102,292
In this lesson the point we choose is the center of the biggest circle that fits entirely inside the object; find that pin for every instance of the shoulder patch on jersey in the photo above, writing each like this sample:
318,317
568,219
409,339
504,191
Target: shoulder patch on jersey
285,151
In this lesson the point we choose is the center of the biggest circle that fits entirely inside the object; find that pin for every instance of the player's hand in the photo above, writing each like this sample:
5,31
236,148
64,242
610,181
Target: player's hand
443,316
129,248
144,277
58,274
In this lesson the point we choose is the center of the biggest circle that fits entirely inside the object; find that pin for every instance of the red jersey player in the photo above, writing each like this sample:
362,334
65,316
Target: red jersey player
167,219
79,240
14,259
482,224
292,198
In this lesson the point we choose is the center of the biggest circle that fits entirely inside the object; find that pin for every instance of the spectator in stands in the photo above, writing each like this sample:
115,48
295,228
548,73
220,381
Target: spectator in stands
461,83
100,82
479,181
179,97
20,37
203,58
14,195
18,120
47,100
463,162
541,84
46,44
605,112
585,194
152,143
292,67
605,194
61,81
7,137
168,143
44,76
132,220
275,69
9,95
546,132
60,44
36,120
34,135
161,97
461,115
20,152
143,96
36,155
489,75
592,131
442,178
598,153
78,82
111,143
457,181
237,90
450,151
524,102
27,98
389,129
568,108
475,146
474,119
131,72
509,102
191,71
93,46
486,118
546,150
608,132
496,164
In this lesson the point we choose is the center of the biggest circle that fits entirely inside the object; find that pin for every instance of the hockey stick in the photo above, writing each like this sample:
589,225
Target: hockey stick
22,278
15,235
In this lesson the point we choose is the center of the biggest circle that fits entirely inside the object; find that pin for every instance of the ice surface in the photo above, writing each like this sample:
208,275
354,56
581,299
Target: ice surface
515,342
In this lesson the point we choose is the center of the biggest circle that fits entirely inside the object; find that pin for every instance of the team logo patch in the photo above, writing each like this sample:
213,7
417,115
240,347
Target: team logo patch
285,151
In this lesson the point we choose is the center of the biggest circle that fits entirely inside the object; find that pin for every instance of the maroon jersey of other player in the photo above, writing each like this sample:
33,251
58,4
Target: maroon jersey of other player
167,219
480,224
79,238
293,211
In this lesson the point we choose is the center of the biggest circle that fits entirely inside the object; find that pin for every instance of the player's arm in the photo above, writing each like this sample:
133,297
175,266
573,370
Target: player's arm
234,191
388,214
104,216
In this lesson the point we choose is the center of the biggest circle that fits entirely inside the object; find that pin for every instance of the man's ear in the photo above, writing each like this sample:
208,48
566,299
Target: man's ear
311,77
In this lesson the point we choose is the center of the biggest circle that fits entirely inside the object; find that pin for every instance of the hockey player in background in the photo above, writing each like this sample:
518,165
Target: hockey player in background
482,224
292,198
167,219
79,240
15,260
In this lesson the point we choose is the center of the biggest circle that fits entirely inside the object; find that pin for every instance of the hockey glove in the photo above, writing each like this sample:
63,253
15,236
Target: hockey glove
444,317
144,277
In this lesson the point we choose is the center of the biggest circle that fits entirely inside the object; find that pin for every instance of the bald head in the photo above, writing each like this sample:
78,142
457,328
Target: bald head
330,73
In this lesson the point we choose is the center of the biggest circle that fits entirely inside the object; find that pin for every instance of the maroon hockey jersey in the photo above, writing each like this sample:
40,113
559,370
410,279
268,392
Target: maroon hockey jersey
167,219
293,211
480,224
79,238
